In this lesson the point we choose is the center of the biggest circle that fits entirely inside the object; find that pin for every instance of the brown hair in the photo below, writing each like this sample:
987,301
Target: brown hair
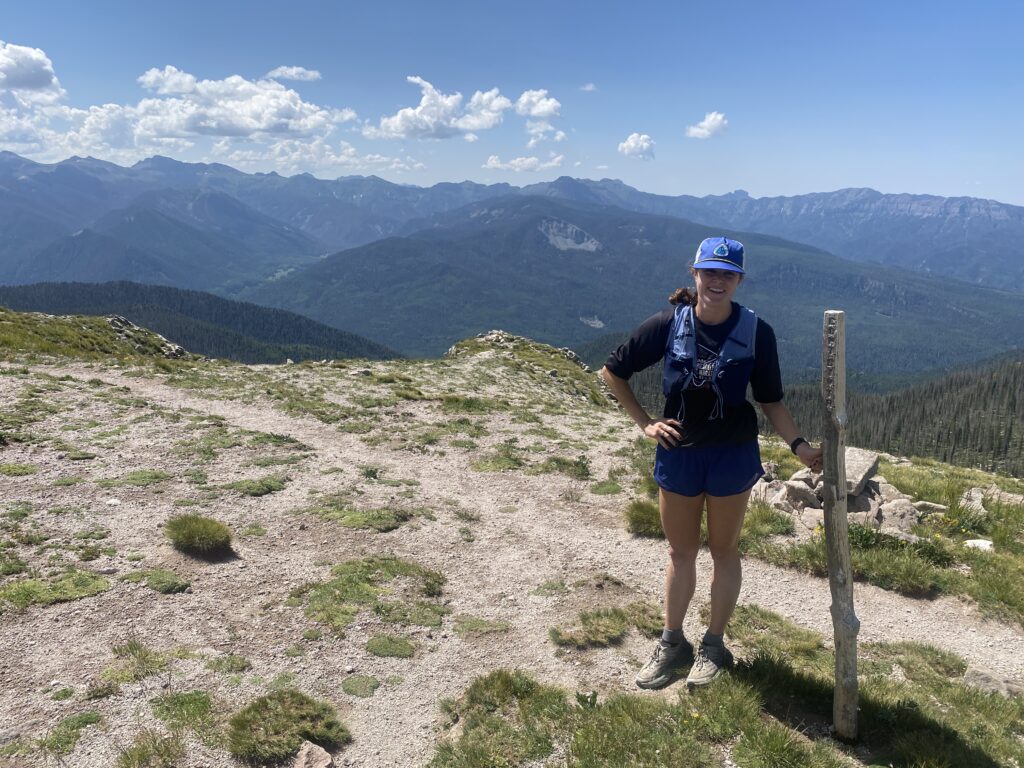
683,296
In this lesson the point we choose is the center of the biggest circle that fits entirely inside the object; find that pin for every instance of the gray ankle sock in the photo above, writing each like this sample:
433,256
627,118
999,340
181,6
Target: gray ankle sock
712,639
672,636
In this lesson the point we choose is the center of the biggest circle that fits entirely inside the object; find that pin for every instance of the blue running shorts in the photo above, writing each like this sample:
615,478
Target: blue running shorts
717,470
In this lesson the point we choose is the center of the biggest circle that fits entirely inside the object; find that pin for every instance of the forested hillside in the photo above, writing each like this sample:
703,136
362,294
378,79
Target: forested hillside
200,322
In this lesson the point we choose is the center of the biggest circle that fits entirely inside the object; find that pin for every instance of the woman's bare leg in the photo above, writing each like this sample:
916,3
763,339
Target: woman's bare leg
725,520
680,519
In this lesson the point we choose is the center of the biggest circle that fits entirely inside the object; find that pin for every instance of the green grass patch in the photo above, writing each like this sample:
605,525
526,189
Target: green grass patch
505,456
139,479
915,711
777,452
551,589
337,508
608,626
578,468
198,535
273,727
70,585
474,626
229,664
191,710
151,749
63,694
259,486
390,646
18,470
395,589
362,686
159,580
254,529
10,564
467,404
135,661
606,488
62,738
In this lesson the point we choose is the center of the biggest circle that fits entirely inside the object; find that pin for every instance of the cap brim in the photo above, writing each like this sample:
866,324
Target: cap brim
712,264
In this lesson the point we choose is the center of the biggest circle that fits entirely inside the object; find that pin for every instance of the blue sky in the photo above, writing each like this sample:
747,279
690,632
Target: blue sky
679,98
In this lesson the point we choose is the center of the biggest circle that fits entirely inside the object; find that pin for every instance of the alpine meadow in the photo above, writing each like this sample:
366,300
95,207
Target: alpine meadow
372,385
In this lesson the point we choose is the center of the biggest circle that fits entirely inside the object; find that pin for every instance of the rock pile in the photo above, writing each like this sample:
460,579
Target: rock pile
870,499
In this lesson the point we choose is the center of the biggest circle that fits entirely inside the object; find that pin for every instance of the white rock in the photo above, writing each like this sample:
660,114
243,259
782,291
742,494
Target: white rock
860,466
313,756
898,515
973,500
889,492
812,518
983,544
113,502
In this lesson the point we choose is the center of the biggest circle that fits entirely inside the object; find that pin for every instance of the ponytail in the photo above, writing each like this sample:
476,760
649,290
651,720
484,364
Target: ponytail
683,296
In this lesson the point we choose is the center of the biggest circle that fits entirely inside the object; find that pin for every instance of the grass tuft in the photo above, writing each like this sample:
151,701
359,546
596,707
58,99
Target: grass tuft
198,535
273,727
644,519
62,738
608,626
71,585
230,664
153,750
260,486
362,686
390,646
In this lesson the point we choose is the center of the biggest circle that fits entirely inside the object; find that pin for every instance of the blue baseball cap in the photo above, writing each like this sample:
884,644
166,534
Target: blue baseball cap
720,253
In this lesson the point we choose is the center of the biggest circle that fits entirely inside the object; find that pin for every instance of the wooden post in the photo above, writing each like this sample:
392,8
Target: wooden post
837,533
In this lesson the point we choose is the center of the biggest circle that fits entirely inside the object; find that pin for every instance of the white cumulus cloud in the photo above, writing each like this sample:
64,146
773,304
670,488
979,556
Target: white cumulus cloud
588,87
296,155
519,164
713,122
27,76
538,104
441,115
638,145
293,73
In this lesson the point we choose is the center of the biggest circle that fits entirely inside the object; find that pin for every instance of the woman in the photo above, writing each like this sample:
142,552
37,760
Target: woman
707,453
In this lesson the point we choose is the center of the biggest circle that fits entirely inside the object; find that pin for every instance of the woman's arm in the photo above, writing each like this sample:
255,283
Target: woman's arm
665,431
782,422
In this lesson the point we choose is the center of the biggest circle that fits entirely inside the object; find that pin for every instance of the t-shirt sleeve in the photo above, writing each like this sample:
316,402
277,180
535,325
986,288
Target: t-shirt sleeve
644,347
766,378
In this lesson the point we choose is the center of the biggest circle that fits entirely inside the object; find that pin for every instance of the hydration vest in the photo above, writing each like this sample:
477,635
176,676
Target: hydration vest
732,369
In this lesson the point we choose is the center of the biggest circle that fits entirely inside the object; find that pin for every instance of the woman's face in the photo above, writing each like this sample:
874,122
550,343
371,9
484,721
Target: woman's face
716,287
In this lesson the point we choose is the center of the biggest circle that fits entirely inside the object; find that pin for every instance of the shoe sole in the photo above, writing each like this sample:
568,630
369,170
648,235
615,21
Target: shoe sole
698,683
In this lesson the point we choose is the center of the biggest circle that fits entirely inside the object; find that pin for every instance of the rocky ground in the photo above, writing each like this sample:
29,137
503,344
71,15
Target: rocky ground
525,547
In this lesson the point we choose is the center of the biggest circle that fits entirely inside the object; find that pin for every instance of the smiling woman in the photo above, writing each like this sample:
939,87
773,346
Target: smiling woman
711,349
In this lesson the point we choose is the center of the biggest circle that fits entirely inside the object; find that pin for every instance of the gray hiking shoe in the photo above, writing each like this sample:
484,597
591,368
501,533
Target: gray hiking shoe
657,672
710,661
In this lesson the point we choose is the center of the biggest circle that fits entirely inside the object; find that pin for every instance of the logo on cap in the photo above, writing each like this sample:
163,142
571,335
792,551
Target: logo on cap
721,250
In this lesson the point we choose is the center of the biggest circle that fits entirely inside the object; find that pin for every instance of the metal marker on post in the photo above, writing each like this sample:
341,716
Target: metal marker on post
837,532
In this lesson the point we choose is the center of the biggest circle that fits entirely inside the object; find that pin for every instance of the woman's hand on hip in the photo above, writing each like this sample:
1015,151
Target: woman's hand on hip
810,456
668,432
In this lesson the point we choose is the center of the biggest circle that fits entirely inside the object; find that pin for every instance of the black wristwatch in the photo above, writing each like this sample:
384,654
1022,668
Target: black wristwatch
796,444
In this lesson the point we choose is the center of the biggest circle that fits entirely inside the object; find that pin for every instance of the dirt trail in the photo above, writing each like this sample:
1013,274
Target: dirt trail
527,533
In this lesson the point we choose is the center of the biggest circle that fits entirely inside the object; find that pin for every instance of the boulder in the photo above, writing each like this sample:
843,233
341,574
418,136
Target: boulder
973,500
860,466
764,490
799,494
812,518
869,519
897,515
987,680
864,502
983,544
806,476
996,494
930,508
771,471
780,501
889,492
312,756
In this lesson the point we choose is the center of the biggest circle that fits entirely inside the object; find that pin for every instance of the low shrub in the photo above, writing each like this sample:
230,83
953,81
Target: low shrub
390,645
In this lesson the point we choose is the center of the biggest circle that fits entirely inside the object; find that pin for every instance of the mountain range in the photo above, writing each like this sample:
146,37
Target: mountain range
566,262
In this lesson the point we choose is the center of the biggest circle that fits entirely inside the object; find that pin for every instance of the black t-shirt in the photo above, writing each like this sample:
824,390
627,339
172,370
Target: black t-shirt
646,346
